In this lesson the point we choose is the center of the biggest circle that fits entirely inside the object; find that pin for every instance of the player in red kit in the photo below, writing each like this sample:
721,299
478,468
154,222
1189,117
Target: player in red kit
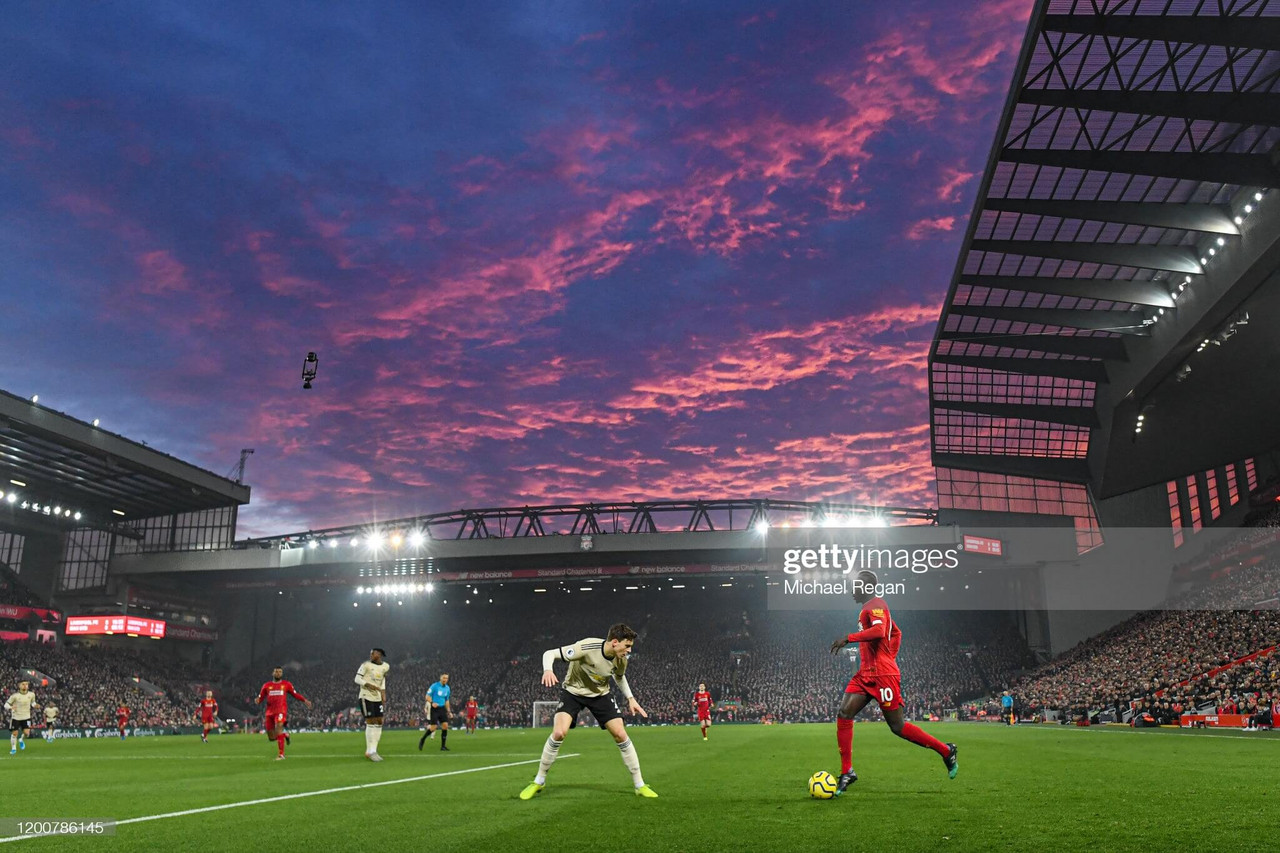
277,692
473,709
702,702
208,713
122,719
877,678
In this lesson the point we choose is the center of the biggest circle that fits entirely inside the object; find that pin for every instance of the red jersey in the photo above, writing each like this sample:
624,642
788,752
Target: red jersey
208,707
277,694
878,641
472,708
122,714
702,701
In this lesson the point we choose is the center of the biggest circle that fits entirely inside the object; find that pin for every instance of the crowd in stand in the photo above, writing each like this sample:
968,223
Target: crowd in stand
88,684
757,664
1157,662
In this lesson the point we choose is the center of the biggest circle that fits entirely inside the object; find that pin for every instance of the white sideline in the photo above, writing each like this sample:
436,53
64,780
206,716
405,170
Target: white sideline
304,794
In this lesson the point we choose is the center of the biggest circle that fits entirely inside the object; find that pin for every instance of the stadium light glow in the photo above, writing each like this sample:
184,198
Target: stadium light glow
1222,241
313,544
1248,208
333,543
416,538
95,421
539,590
355,604
375,540
35,398
11,497
118,512
396,539
18,483
1257,196
1239,220
355,541
431,587
584,589
762,527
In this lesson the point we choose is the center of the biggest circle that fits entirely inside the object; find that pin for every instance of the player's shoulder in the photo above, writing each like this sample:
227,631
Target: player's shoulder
584,646
876,604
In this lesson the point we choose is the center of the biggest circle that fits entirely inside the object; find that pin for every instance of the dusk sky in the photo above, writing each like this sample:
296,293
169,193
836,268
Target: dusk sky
546,252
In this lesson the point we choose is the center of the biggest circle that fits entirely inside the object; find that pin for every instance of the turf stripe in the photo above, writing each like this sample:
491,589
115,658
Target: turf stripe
258,802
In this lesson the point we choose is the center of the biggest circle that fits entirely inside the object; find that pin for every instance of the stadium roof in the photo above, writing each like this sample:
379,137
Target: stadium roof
109,478
1126,211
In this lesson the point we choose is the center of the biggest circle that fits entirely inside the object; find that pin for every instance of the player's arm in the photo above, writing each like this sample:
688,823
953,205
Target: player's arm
296,695
632,705
262,694
550,656
879,630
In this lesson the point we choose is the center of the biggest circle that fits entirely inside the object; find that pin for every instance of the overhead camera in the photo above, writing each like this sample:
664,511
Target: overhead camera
309,368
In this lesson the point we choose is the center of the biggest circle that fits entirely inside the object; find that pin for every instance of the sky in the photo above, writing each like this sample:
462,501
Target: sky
545,252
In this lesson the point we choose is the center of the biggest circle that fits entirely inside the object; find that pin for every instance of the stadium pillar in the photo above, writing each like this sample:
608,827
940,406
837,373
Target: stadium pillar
41,558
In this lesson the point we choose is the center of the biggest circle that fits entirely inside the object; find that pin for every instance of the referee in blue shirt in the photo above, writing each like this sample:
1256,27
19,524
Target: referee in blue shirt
437,709
1006,707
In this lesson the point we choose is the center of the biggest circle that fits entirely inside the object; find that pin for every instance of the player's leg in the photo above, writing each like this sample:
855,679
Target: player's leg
896,719
281,736
627,750
13,737
563,721
850,706
444,735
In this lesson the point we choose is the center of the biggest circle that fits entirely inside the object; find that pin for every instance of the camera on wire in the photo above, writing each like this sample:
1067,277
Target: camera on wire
309,368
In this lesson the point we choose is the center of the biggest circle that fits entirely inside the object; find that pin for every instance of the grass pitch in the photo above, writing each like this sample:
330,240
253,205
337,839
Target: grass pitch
1029,788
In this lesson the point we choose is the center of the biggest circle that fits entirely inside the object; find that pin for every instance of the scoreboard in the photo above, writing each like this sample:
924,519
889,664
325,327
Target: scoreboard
131,625
983,545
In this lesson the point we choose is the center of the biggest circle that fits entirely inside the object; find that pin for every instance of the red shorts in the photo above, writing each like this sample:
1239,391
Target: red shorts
276,720
470,719
206,718
120,724
885,689
704,715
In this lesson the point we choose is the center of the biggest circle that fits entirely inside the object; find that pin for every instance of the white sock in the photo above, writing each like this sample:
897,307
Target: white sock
377,736
632,761
550,750
13,741
368,739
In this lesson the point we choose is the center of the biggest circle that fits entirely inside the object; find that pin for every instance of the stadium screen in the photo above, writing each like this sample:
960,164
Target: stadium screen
130,625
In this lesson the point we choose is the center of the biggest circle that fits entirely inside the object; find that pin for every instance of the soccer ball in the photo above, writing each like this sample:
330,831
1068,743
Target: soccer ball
822,785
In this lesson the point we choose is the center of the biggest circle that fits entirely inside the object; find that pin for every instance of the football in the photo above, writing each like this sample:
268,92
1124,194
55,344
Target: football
822,785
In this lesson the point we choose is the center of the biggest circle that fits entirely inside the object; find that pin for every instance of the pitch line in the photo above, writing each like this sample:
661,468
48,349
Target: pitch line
283,797
240,756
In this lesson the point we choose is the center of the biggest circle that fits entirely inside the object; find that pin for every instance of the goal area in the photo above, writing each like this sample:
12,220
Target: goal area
544,713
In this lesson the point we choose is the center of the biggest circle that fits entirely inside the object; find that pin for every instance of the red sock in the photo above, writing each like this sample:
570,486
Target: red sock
844,737
280,741
920,737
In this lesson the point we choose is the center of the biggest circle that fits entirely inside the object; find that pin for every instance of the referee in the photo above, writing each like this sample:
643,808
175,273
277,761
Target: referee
437,706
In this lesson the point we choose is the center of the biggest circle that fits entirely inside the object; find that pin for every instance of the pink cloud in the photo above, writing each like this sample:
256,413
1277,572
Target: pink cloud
953,179
924,228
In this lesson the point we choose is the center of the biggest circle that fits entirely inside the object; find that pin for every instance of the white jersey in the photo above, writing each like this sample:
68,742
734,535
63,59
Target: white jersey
372,678
50,713
19,705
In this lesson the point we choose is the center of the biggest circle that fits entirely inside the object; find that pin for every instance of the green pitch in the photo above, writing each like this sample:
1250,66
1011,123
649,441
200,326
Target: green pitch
1028,788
